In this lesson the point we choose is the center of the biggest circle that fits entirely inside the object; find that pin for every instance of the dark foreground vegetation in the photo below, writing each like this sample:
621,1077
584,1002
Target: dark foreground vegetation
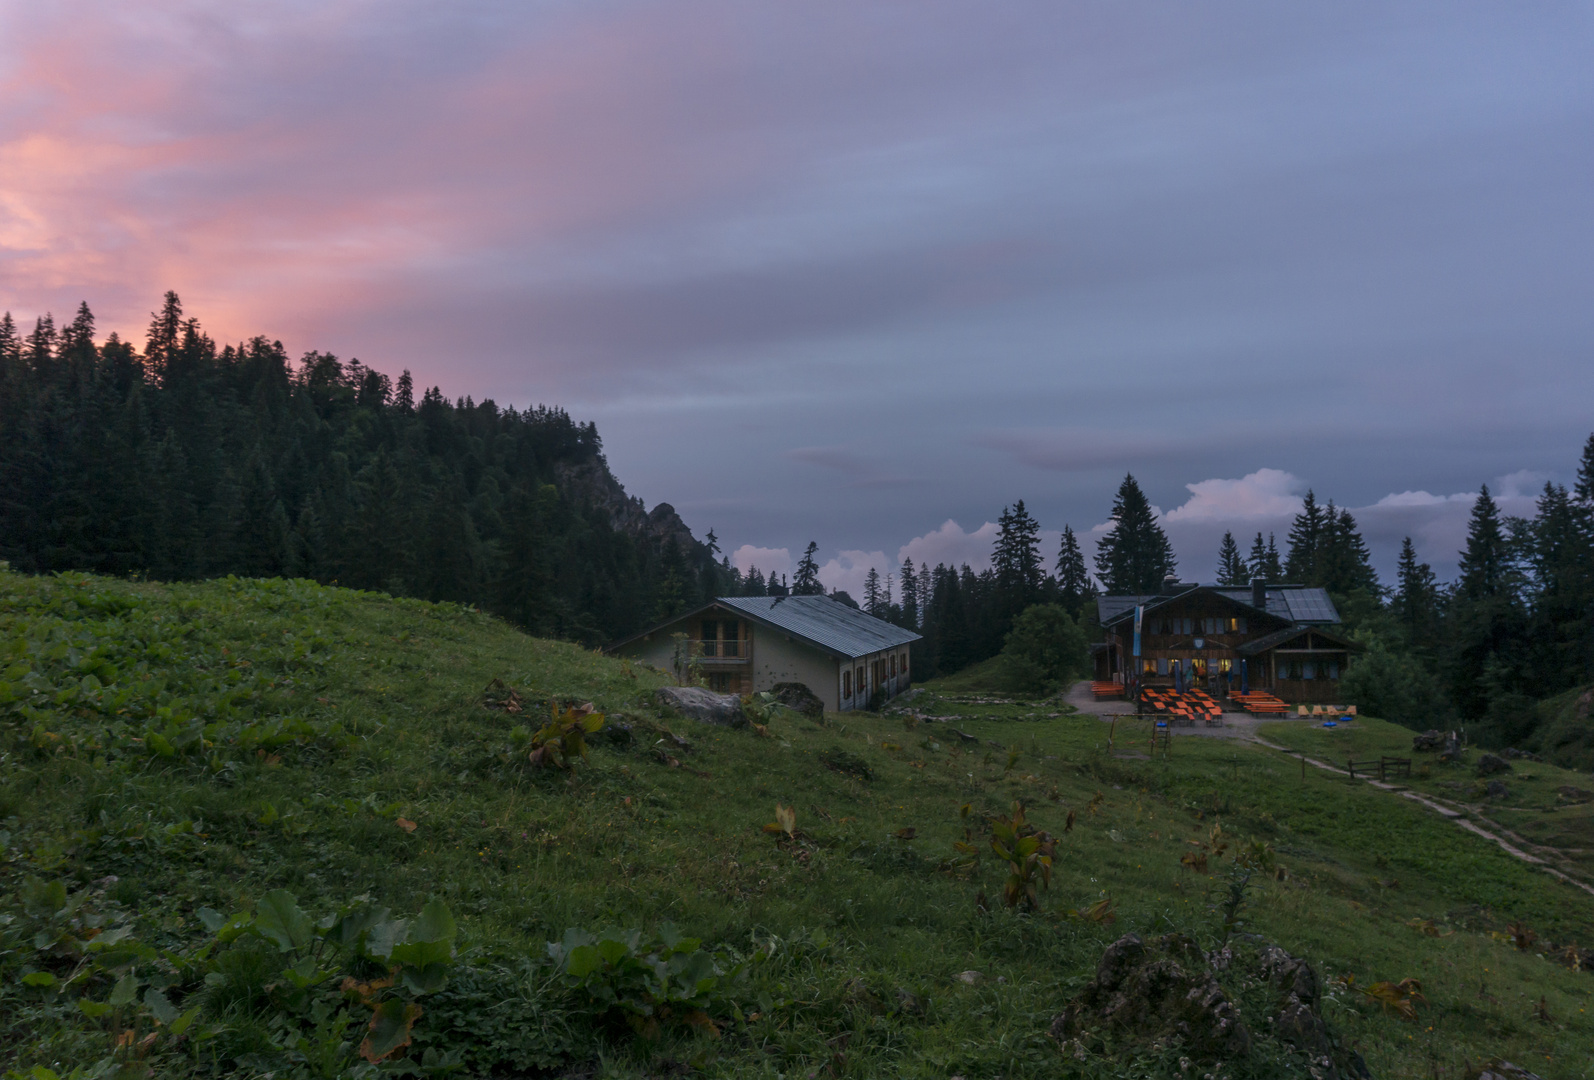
270,828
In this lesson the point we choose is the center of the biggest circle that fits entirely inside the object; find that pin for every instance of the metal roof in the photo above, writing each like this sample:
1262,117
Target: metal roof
824,622
1109,608
1290,633
1293,603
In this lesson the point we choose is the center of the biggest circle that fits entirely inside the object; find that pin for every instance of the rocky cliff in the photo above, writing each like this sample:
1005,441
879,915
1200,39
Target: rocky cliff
590,484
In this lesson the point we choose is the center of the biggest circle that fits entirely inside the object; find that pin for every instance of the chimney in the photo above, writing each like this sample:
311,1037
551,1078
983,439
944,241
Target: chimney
1259,594
1170,585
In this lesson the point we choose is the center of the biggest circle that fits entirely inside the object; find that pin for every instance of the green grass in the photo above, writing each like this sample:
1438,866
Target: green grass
206,744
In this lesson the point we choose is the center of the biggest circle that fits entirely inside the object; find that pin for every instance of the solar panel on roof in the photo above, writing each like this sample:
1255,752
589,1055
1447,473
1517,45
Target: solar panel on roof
1311,605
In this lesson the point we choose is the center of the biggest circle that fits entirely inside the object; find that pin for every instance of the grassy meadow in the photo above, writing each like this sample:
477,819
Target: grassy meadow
254,828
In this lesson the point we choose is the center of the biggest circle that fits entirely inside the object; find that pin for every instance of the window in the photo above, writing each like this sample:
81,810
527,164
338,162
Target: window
846,683
1162,666
1236,626
903,667
709,636
1309,670
858,678
1189,626
1148,667
893,665
730,631
1333,670
1225,666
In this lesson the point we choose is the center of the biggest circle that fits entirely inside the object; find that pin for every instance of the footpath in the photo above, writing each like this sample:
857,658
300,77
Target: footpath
1463,816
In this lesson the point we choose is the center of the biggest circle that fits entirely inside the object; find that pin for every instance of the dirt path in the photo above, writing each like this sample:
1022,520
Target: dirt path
1467,819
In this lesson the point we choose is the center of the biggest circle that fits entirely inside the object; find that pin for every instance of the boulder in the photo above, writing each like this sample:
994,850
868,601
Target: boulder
795,695
1490,765
1496,789
703,705
1429,740
1164,989
1514,754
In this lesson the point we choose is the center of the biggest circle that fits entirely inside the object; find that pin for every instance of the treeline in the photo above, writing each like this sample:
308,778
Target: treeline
185,460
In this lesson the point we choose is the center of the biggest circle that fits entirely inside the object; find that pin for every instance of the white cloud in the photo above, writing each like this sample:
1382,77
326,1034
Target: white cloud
951,545
1266,493
847,571
747,556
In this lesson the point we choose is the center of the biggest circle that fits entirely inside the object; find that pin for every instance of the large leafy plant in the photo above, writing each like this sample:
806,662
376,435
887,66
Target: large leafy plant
648,984
414,954
1028,853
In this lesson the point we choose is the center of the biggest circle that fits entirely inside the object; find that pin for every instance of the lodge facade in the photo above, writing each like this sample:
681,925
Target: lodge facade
1284,639
743,644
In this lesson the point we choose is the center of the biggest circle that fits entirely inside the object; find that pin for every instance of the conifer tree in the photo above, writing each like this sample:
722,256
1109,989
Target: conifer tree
872,593
1017,557
1075,588
1416,601
1344,564
1231,568
1306,534
756,586
1485,560
1135,556
806,583
165,334
404,398
910,595
10,341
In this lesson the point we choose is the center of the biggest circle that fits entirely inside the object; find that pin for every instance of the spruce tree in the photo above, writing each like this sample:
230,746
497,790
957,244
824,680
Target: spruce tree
1135,556
1306,534
1017,556
1231,568
1075,588
1485,560
1344,564
910,595
10,341
872,594
1416,598
806,583
165,335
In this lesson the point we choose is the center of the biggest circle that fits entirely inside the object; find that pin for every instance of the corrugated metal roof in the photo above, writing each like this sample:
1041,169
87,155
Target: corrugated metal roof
823,621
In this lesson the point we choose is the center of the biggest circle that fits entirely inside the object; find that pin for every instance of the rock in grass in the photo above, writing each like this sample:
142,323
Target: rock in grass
797,696
703,705
1496,789
1490,765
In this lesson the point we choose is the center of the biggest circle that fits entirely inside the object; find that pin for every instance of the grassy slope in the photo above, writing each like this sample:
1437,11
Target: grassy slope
387,700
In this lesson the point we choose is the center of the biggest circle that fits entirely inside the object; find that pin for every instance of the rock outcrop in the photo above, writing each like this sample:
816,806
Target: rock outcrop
591,484
1155,991
703,705
1168,989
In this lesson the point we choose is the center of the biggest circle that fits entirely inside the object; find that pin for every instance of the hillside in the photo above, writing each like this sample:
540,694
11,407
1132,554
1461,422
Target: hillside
250,826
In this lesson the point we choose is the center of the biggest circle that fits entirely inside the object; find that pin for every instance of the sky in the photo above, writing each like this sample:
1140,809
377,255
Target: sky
864,274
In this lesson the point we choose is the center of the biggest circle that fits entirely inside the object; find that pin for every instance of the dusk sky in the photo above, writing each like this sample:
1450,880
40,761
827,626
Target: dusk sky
862,273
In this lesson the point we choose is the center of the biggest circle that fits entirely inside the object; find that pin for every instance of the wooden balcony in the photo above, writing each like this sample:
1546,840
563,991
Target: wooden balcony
720,653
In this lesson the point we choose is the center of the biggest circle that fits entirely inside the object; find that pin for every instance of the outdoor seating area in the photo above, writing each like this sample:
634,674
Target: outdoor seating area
1107,689
1261,703
1184,707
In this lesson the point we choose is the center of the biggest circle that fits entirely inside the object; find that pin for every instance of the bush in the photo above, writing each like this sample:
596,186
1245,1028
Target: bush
1044,651
1394,686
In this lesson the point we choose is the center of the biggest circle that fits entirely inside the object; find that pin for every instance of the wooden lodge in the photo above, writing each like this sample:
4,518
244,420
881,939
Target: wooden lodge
1276,638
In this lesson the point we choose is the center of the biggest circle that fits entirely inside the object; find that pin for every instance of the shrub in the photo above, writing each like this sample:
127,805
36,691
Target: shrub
1045,650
